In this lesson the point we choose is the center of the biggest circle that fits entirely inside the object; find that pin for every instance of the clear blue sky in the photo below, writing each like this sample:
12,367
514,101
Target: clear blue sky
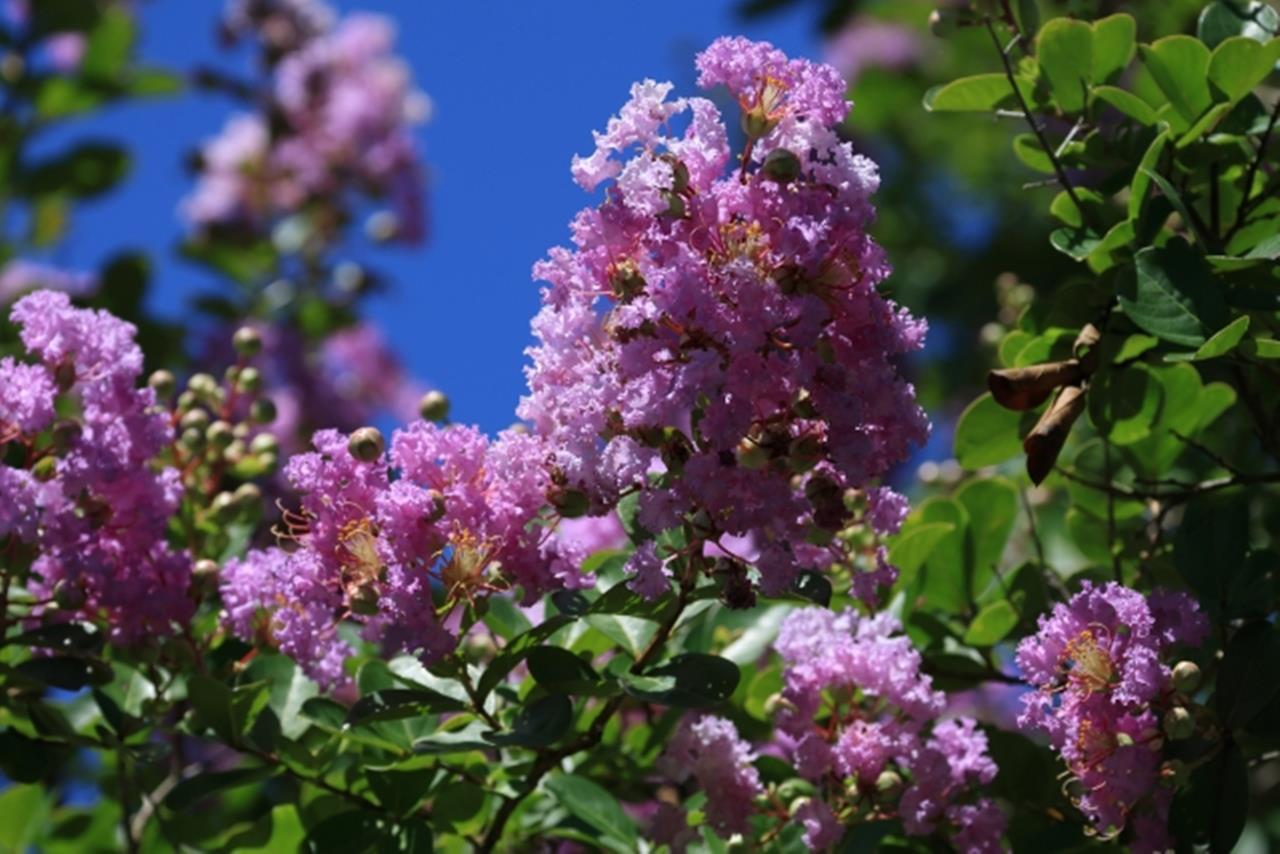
518,86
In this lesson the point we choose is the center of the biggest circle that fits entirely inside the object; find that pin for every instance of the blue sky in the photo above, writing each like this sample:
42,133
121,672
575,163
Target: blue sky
518,86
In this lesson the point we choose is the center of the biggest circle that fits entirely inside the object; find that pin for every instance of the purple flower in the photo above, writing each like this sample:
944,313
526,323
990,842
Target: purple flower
709,749
19,276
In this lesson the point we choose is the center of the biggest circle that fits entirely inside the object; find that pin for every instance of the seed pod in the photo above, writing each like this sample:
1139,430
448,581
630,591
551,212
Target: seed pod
1020,389
1045,441
366,444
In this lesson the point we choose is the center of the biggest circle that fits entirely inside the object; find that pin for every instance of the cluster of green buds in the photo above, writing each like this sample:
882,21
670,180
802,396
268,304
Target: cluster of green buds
219,433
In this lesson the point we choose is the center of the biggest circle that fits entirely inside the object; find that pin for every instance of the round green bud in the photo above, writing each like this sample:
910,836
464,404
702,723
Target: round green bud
187,400
224,507
249,381
64,375
1178,723
219,434
781,166
45,469
269,462
248,496
192,439
796,787
204,576
364,600
366,444
235,452
163,383
68,595
263,411
247,341
889,784
204,385
1186,676
196,419
434,406
264,443
570,503
675,205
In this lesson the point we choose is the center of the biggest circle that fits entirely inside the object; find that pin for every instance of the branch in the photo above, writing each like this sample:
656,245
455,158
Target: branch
1248,202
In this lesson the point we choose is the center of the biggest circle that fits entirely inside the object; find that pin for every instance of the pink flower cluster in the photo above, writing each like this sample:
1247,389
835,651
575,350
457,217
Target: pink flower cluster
709,749
344,106
716,339
446,515
1097,664
20,276
85,494
64,51
858,710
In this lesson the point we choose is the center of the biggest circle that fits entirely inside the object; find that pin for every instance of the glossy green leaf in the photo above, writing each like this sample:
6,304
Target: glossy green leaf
1225,339
1124,403
992,624
913,545
1223,19
588,802
194,789
1113,46
1127,103
1180,67
89,169
561,671
1142,175
1028,149
109,45
690,680
980,93
1239,64
1173,296
1064,49
992,505
987,434
540,723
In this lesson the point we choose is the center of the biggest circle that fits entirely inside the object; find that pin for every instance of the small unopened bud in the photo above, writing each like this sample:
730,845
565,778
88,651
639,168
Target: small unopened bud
187,400
68,595
1178,723
163,383
756,122
434,406
349,277
65,434
265,443
795,805
192,439
436,499
224,507
1186,676
248,496
204,385
235,452
364,600
789,790
781,166
751,455
366,444
247,341
889,784
774,703
675,205
805,452
195,419
64,375
45,469
249,381
204,576
570,503
263,411
382,227
219,435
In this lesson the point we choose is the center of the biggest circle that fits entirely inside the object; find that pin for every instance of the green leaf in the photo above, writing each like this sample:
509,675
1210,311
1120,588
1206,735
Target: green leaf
1206,125
631,633
1142,175
1173,296
1239,64
561,671
66,672
992,505
515,652
691,680
211,701
59,97
987,434
63,16
390,704
1124,403
1077,243
1113,46
1028,149
539,724
356,832
980,93
1180,67
1261,348
109,46
1129,104
1247,683
1175,199
589,803
89,169
29,760
24,811
1210,545
1224,340
1064,49
195,789
913,545
505,619
992,624
1222,20
812,586
1028,16
246,265
943,581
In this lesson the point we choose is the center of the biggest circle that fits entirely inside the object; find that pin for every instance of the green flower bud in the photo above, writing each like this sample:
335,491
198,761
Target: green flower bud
219,435
187,400
204,385
366,444
192,439
45,469
224,507
675,205
889,784
434,406
248,496
263,411
235,452
196,418
163,383
570,503
781,166
247,342
264,443
204,577
1186,676
68,595
249,381
1178,724
364,600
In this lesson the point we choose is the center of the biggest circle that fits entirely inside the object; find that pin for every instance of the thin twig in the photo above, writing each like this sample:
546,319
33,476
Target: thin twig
1247,203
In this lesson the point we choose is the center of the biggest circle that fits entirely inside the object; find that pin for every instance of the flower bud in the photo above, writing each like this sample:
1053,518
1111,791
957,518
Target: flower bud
264,443
249,381
248,496
235,452
64,375
187,400
192,439
45,469
247,341
756,122
163,383
382,227
219,435
436,498
366,444
795,805
196,419
751,455
675,205
224,507
781,166
434,406
263,411
69,595
203,385
1186,676
1178,724
204,576
889,784
774,703
805,452
65,434
364,600
570,503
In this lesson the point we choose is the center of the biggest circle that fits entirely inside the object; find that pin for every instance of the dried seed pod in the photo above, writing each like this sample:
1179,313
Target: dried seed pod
1045,441
1020,389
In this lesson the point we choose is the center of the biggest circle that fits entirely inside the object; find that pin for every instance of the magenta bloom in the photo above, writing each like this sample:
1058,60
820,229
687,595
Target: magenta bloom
709,749
1097,662
99,515
718,320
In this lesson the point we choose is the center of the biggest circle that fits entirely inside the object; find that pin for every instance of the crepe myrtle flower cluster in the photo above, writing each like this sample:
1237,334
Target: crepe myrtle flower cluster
81,492
394,539
1108,701
342,109
62,51
709,749
861,721
715,339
